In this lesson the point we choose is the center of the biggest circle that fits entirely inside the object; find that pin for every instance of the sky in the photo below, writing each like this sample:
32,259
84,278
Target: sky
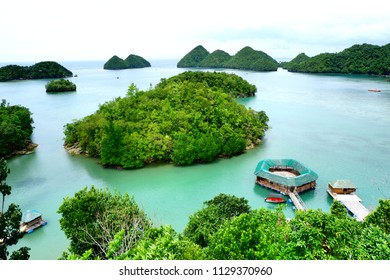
72,30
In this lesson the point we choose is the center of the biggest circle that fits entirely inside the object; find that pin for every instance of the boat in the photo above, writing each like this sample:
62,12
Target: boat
374,90
31,220
275,198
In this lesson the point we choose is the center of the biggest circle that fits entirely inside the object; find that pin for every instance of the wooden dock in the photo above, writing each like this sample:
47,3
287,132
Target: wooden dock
353,203
297,201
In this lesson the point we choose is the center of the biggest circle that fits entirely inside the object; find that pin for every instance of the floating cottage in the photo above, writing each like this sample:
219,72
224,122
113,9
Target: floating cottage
344,191
285,175
31,220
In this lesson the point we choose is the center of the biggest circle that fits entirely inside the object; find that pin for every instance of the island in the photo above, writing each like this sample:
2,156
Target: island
245,59
41,70
60,85
132,61
182,120
358,59
15,130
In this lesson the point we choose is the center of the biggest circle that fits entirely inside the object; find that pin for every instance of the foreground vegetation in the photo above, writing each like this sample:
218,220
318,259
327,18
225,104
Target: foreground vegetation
41,70
225,228
10,220
182,120
60,85
246,59
15,129
358,59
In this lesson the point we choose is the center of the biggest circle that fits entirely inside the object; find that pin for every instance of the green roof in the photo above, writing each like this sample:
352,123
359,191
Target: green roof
342,184
30,215
306,175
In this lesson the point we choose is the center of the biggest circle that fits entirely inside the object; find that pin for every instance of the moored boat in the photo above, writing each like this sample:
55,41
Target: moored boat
275,198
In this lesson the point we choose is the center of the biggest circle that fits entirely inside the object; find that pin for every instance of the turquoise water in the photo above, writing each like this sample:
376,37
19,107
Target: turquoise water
330,123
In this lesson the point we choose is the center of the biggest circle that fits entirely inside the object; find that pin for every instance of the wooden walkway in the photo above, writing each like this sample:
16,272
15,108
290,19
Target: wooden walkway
297,200
353,203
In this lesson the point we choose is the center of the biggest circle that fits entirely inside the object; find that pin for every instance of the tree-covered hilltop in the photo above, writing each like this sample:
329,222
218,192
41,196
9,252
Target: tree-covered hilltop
60,85
132,61
41,70
246,59
225,228
358,59
178,121
216,59
194,58
231,84
15,129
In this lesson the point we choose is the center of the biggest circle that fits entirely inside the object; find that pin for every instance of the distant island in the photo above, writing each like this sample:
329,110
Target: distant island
60,85
132,61
246,59
41,70
358,59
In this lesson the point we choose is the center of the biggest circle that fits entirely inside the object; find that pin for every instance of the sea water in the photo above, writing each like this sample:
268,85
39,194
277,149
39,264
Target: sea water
330,123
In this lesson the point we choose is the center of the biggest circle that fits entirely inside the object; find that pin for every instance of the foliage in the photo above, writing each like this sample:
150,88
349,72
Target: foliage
226,229
132,61
41,70
259,234
60,85
92,217
216,59
205,222
136,61
380,216
9,221
178,121
115,63
249,59
164,243
231,84
15,128
358,59
194,58
246,59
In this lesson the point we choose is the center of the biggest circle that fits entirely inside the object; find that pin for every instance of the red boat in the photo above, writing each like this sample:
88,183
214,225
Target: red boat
275,199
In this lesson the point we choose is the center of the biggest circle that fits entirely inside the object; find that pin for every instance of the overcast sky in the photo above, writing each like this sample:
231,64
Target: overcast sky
37,30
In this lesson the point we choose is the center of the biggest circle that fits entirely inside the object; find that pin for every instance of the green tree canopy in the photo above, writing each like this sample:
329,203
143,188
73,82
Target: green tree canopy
205,222
179,121
9,221
15,128
93,217
358,59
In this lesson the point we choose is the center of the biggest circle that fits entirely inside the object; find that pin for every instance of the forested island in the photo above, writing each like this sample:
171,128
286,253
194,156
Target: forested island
246,59
41,70
15,130
358,59
132,61
181,120
225,228
60,85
